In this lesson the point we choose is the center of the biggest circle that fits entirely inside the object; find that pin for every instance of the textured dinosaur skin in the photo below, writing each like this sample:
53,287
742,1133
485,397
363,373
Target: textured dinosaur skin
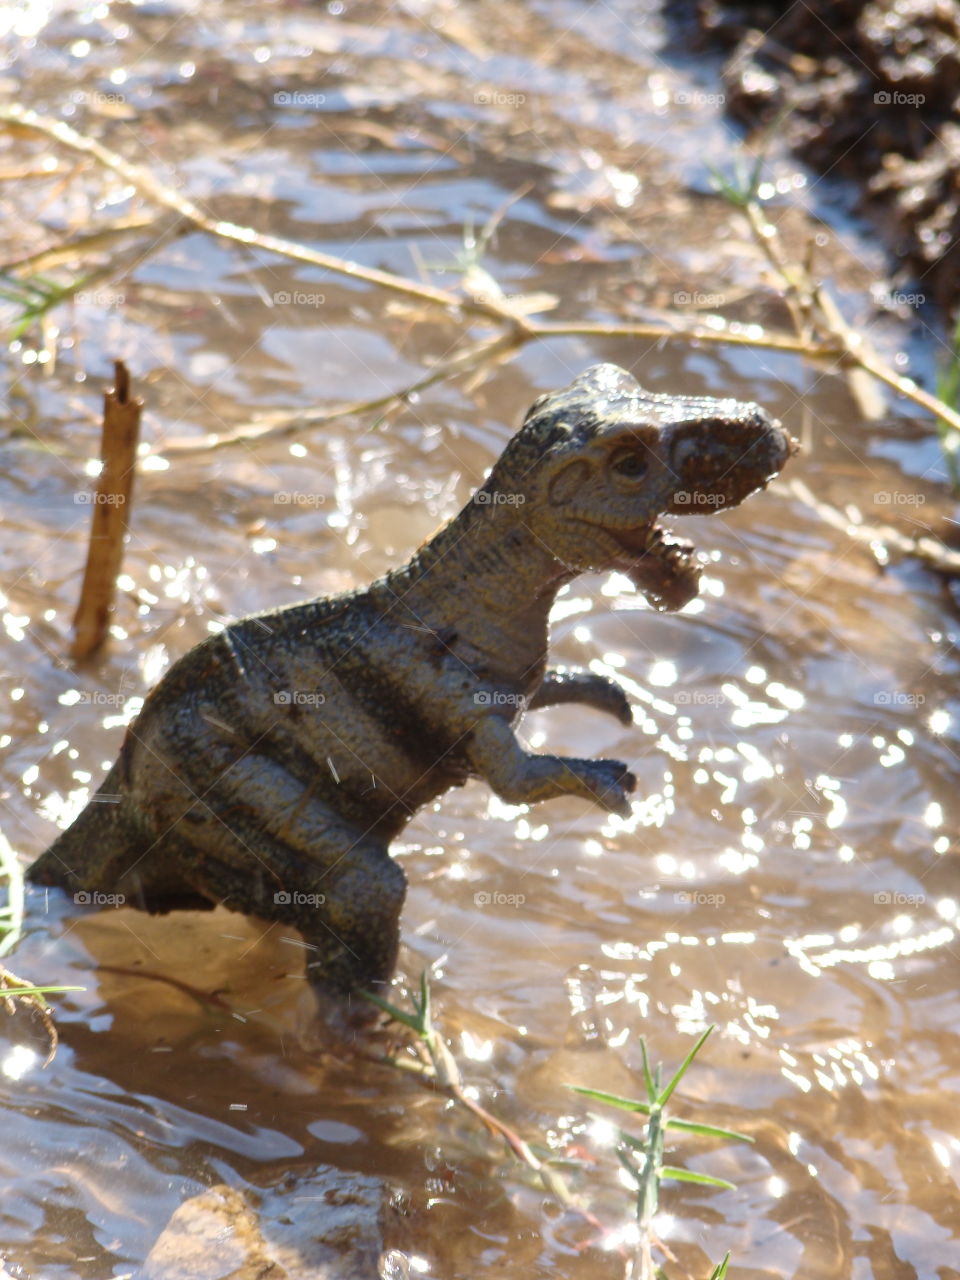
273,764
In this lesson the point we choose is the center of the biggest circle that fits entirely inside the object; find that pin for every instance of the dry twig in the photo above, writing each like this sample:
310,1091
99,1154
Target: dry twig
111,503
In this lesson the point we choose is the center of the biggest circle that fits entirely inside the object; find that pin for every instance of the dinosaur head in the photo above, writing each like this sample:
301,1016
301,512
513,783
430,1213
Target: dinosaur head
601,460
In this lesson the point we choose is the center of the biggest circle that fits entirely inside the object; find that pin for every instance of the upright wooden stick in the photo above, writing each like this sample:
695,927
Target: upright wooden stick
111,503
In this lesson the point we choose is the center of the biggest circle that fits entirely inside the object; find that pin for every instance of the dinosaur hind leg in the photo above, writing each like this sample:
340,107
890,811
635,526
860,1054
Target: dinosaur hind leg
269,848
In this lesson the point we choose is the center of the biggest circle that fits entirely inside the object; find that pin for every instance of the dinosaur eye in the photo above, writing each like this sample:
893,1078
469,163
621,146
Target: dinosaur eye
631,465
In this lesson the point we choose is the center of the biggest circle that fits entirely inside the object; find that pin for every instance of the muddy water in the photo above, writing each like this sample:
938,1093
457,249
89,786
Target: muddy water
789,872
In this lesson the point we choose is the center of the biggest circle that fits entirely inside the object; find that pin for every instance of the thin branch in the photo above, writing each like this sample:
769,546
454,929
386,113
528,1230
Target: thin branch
147,184
926,548
904,386
280,426
89,242
718,330
808,303
811,300
111,505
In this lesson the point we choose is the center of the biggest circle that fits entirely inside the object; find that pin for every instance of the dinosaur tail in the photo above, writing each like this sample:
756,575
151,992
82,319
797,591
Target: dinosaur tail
95,849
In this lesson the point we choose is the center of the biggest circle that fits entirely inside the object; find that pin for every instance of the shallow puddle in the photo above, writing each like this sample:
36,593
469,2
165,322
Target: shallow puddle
789,871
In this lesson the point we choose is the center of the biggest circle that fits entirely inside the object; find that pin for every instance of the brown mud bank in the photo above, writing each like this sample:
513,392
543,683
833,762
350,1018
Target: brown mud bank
867,91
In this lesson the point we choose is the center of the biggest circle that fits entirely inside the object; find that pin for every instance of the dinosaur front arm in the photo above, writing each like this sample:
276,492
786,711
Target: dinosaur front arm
521,778
595,691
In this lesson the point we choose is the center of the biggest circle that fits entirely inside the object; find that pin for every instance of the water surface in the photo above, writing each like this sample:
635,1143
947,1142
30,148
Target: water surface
789,870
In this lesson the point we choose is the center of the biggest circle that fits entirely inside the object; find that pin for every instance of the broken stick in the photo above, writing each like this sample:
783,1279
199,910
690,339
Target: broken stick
111,504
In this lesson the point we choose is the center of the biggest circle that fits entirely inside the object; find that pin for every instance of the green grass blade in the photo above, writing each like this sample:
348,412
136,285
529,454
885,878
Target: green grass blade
948,390
424,1007
39,992
399,1015
629,1140
665,1096
13,910
635,1173
707,1130
612,1099
702,1179
735,189
647,1073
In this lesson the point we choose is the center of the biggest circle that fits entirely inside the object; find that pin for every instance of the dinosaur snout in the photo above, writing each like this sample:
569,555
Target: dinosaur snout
719,463
769,445
779,443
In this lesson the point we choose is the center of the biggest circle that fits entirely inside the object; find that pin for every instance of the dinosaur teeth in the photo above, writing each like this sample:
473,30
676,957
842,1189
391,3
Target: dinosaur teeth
666,572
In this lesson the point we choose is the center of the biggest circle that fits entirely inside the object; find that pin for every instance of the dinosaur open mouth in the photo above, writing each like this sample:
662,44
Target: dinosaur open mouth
660,565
